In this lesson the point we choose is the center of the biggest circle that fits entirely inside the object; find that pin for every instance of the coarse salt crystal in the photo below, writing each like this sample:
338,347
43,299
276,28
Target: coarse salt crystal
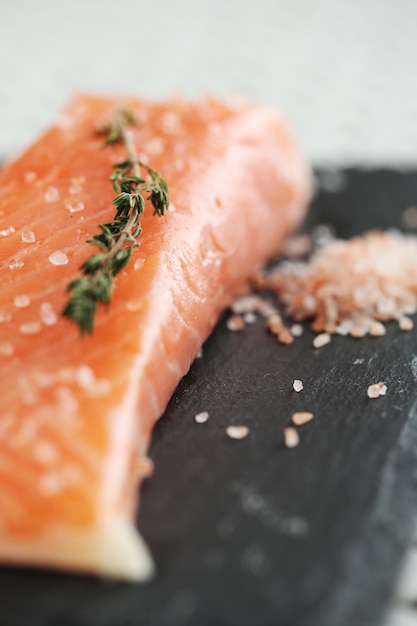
67,402
249,318
30,177
322,234
28,236
7,231
376,390
344,327
179,164
296,330
377,329
15,264
85,376
155,146
171,122
6,348
31,328
5,316
235,323
45,452
48,315
405,323
291,437
302,417
298,385
309,303
202,417
52,194
144,467
274,324
284,336
237,432
321,340
386,306
246,304
297,246
73,205
139,263
58,258
267,309
341,330
134,305
357,331
76,185
21,302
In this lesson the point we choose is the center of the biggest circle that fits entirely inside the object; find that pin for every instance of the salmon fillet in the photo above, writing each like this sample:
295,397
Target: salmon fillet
76,412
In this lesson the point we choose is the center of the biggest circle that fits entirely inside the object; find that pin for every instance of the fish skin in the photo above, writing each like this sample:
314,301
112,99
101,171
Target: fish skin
76,413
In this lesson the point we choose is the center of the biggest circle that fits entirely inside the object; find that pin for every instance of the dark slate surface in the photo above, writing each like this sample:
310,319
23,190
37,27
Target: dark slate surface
248,533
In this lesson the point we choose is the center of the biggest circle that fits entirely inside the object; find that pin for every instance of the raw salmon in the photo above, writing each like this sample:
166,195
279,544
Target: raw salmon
77,411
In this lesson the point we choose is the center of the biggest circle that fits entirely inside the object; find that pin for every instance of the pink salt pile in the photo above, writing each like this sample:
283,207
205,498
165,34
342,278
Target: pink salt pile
352,287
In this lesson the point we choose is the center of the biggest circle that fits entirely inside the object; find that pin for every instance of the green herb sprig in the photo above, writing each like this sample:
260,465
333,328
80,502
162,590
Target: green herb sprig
118,238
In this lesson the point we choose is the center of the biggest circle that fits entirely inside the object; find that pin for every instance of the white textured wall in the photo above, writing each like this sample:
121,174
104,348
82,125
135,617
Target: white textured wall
344,71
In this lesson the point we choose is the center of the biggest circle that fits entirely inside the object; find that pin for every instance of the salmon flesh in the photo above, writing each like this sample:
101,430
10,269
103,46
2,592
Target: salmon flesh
76,412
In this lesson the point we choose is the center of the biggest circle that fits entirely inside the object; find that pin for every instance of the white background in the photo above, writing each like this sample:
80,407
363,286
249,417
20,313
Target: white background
344,71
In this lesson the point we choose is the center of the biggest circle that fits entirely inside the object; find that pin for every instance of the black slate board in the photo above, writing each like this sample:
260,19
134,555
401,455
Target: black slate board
248,533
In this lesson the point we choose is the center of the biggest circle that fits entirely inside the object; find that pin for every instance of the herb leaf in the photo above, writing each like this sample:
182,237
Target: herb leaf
117,239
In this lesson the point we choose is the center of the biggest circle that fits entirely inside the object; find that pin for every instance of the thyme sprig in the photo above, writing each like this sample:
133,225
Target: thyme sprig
118,238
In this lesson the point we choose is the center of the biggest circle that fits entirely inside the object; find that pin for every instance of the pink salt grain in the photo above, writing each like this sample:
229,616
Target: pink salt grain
298,385
376,390
377,329
291,437
358,331
246,304
6,348
284,336
249,317
296,330
30,328
297,246
235,323
52,194
405,323
202,417
28,236
274,324
321,340
144,467
302,417
237,432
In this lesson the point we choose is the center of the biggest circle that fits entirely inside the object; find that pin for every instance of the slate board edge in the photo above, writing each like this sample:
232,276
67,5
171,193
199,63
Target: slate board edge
370,565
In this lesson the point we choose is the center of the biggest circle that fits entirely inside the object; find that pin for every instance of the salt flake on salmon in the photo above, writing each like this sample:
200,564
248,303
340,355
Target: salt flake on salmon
76,412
